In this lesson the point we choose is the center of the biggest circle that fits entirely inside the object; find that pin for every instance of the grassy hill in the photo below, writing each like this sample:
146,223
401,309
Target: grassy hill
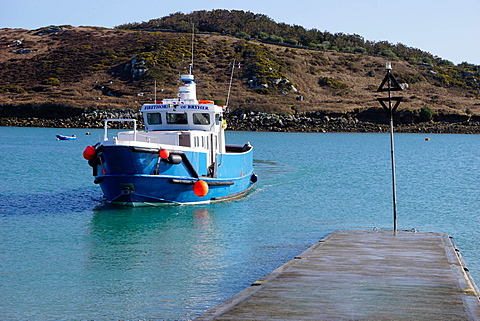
96,68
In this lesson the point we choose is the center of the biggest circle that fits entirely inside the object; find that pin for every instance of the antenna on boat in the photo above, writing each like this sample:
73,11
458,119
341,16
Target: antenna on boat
230,85
155,92
193,35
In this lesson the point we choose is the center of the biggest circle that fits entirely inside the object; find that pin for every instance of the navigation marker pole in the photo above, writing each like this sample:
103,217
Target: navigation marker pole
392,85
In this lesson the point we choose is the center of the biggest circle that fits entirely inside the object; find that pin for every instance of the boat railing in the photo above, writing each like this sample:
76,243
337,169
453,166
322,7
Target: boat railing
105,136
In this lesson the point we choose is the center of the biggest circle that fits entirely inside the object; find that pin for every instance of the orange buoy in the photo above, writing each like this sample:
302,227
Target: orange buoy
164,153
200,188
89,152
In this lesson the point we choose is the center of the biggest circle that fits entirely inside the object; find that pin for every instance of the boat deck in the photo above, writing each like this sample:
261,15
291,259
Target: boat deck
362,275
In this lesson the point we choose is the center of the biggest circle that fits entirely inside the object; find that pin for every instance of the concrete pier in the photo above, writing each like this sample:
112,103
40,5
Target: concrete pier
363,275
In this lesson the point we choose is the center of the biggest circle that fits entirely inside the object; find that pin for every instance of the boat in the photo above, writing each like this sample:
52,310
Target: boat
63,137
180,157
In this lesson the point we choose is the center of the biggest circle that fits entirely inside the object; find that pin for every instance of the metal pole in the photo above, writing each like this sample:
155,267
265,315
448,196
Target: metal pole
230,85
392,149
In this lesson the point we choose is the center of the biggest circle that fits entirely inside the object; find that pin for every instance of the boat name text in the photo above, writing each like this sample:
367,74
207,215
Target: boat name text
182,107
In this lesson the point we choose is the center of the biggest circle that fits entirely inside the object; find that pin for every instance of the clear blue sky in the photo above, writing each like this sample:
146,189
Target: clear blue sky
445,28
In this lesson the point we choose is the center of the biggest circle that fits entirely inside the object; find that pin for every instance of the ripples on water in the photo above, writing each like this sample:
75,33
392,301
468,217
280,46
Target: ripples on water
49,203
65,254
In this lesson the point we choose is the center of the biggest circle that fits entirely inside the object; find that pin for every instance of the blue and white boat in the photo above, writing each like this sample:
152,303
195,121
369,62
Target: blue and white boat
63,137
181,157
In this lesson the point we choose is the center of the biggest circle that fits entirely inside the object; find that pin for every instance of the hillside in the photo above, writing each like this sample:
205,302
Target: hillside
95,68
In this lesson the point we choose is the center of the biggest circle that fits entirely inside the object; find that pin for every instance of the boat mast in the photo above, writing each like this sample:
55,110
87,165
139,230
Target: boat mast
193,35
230,85
187,92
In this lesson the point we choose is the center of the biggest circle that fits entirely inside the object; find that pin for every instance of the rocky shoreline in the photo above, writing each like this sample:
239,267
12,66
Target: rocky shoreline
329,124
256,121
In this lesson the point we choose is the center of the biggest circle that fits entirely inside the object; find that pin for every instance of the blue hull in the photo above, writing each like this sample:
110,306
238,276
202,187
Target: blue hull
62,137
135,176
149,189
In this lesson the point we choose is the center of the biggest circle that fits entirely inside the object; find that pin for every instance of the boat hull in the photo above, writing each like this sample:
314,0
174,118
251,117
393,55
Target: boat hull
133,176
62,137
137,190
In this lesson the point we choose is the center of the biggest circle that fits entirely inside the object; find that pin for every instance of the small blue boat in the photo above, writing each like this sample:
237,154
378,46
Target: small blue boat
63,137
181,157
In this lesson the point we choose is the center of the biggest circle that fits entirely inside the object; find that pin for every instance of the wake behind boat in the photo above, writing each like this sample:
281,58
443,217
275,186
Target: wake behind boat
181,156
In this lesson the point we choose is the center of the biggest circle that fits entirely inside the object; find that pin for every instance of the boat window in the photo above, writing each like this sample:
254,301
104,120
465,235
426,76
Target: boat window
154,118
176,118
201,118
217,119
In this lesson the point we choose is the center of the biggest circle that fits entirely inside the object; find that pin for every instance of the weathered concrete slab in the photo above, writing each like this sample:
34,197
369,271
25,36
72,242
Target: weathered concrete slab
363,275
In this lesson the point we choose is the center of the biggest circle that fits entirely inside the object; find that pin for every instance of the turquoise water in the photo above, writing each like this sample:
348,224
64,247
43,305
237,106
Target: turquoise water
65,255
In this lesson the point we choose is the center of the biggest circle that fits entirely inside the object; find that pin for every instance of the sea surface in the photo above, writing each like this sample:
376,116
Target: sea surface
66,255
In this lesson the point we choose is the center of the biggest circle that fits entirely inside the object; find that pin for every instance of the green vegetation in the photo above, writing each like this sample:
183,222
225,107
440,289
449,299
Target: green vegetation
258,26
409,78
261,66
426,114
332,83
12,89
51,81
165,56
248,25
